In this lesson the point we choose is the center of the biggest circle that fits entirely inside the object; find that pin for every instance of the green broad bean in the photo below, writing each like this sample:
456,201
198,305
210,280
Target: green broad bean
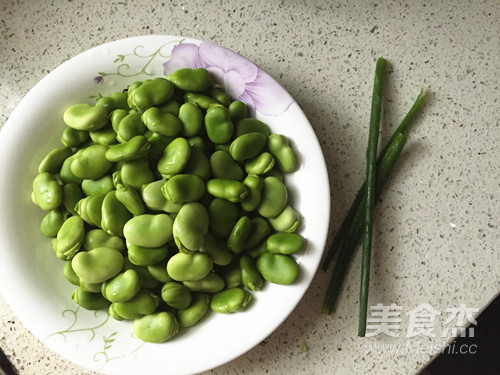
160,122
97,265
273,197
259,230
81,210
72,193
47,192
146,256
254,186
73,138
53,242
231,190
117,178
230,300
133,86
237,111
53,161
117,100
94,209
105,136
198,164
176,295
218,124
198,143
172,106
189,267
90,287
212,283
123,287
174,158
114,215
85,117
232,275
98,238
191,118
159,271
143,303
70,275
201,100
224,166
70,238
116,117
136,173
148,230
285,243
236,241
287,221
129,197
89,301
278,268
279,147
247,146
99,186
252,125
194,80
220,96
261,164
158,143
52,222
184,188
90,209
90,163
216,248
250,276
135,148
129,127
155,200
156,328
190,227
222,216
65,173
194,312
150,93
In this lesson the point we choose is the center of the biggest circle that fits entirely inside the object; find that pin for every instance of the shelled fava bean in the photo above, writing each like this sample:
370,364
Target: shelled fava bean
167,201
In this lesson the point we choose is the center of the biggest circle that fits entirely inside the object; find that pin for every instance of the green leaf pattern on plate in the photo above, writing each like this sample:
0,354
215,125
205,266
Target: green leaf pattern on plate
126,61
106,354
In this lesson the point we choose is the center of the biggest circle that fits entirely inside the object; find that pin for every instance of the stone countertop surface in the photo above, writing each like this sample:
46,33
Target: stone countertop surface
437,230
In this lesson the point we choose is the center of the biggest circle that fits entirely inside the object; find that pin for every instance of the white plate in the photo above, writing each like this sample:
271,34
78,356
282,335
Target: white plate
31,279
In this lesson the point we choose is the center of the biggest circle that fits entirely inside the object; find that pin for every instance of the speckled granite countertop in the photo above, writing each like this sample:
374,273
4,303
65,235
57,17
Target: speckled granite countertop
437,229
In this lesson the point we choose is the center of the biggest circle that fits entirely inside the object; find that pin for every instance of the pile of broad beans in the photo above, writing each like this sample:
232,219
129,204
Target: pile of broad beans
166,201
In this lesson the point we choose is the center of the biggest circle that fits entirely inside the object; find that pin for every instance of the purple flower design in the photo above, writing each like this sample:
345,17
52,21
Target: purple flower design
240,78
